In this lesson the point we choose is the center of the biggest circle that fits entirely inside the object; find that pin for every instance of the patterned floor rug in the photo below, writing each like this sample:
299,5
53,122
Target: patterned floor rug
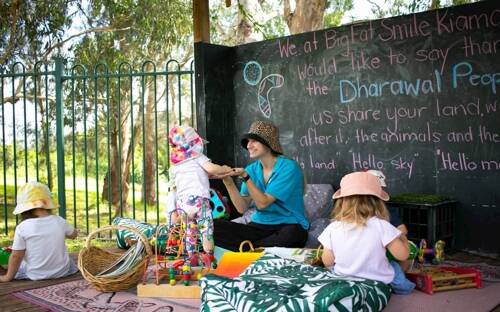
79,296
489,273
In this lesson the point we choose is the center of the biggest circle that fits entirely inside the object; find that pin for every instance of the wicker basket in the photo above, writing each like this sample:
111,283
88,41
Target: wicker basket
93,260
250,246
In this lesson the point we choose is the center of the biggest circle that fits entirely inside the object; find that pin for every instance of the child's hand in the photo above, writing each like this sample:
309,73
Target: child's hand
4,279
174,218
73,235
225,171
216,171
328,258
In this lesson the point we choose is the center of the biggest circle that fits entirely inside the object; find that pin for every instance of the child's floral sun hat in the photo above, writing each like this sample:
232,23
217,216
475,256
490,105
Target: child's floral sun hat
33,195
185,144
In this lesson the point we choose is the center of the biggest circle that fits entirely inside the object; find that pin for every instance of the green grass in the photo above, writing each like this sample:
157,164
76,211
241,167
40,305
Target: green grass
84,213
74,245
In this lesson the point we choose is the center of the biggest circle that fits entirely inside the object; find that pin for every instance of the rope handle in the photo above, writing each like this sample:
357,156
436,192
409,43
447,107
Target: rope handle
243,243
318,253
141,236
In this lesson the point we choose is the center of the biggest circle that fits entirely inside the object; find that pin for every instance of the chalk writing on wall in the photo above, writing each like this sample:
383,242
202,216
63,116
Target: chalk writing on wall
411,95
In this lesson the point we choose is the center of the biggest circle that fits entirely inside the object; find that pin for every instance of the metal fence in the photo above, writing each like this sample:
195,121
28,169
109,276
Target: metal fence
97,137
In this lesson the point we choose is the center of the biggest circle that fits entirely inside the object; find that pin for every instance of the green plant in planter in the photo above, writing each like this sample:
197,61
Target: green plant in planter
419,198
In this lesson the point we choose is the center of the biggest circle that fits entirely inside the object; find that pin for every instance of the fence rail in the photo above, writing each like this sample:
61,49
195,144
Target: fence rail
98,138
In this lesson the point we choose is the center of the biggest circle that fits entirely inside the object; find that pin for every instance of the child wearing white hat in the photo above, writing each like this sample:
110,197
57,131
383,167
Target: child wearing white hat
39,251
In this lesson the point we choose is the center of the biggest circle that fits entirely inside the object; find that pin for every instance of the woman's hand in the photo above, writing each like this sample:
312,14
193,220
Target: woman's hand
239,172
235,172
228,173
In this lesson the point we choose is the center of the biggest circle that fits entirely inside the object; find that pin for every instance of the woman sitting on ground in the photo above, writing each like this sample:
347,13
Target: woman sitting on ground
276,185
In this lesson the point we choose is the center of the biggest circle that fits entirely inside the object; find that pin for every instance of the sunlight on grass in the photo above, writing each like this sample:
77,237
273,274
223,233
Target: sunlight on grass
74,245
88,214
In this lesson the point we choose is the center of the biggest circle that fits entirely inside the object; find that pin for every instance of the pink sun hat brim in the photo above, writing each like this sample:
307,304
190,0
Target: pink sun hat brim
360,183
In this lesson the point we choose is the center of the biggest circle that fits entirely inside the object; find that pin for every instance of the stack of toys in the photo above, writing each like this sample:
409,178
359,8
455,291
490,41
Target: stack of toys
436,254
172,262
431,277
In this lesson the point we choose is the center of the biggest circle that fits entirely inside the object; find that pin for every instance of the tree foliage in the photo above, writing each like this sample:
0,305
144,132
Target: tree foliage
29,28
400,7
142,30
246,21
155,30
267,19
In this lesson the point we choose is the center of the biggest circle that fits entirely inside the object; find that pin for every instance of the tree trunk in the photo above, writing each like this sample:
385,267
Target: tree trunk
173,105
110,189
117,156
118,172
244,28
307,16
149,170
128,162
44,138
434,5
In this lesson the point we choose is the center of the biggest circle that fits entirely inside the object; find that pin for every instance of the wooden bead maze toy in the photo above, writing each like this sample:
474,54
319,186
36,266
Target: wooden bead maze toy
180,269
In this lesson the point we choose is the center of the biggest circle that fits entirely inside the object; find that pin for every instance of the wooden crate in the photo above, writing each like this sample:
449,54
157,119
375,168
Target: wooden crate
434,279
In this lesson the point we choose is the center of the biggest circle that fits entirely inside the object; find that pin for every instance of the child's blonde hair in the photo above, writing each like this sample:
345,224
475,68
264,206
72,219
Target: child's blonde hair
358,209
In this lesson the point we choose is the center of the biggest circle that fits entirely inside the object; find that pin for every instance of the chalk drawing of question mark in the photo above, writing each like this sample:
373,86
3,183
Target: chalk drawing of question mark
269,82
252,74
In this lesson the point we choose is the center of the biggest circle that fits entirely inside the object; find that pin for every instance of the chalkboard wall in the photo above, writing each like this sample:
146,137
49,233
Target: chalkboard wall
415,96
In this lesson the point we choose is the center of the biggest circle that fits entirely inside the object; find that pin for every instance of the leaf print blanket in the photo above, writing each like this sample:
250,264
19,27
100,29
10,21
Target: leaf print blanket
276,284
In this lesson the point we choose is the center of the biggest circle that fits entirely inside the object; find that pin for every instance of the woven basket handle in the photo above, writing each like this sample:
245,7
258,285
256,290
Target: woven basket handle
120,227
243,243
318,252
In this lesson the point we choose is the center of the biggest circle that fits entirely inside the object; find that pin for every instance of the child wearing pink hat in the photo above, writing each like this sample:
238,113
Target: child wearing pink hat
190,171
395,220
39,251
356,241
